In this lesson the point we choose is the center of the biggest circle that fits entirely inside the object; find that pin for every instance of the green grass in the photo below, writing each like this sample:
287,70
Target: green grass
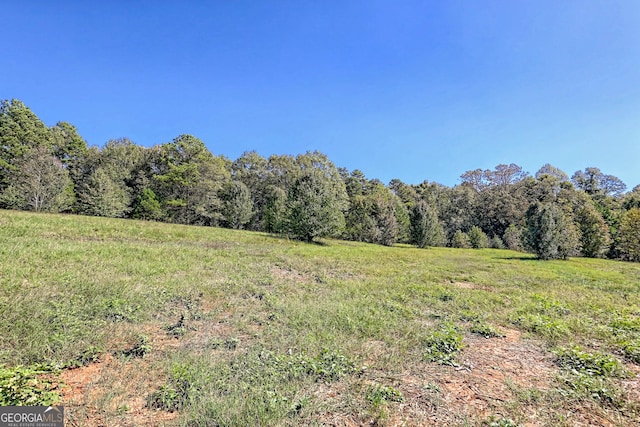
268,331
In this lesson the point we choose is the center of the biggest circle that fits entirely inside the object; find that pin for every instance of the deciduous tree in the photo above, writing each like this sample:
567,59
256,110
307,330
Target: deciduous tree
628,238
39,182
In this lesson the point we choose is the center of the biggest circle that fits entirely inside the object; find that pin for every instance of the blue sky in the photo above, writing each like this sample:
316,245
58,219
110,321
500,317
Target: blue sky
412,90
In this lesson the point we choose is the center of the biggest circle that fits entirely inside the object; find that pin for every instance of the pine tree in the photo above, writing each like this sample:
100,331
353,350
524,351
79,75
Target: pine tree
550,233
425,228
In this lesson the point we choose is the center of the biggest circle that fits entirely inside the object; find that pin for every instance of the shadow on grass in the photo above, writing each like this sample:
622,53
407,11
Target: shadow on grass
520,258
293,239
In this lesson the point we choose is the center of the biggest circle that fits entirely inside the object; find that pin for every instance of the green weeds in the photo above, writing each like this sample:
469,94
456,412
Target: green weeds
592,364
588,376
379,394
443,345
27,386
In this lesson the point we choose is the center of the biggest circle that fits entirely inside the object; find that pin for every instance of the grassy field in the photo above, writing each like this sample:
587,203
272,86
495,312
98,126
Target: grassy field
141,323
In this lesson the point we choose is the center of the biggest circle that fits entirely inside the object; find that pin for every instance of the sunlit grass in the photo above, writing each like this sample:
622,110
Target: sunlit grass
69,284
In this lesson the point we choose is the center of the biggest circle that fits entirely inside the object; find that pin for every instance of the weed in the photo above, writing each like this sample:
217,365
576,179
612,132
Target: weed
230,343
27,386
580,385
118,310
183,383
469,316
543,325
328,365
485,330
444,345
631,350
379,394
591,364
501,422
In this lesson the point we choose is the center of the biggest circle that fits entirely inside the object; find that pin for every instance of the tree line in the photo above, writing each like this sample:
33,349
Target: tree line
52,169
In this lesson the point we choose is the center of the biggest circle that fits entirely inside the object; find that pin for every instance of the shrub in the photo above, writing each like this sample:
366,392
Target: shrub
496,243
461,240
478,238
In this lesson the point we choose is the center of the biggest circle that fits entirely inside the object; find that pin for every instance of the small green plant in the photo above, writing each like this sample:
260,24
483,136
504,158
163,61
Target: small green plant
580,385
501,422
166,398
469,316
119,310
328,365
444,345
183,383
591,364
542,325
27,386
485,330
631,351
378,394
231,343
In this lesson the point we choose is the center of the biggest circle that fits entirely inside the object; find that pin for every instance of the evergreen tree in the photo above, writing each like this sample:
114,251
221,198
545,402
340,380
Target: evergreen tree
315,208
478,238
20,131
275,212
496,243
550,233
101,195
425,228
513,237
237,205
147,206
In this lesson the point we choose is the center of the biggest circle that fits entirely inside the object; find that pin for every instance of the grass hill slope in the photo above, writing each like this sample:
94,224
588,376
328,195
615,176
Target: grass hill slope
142,323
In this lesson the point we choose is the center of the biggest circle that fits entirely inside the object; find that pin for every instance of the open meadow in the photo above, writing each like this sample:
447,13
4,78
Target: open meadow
133,323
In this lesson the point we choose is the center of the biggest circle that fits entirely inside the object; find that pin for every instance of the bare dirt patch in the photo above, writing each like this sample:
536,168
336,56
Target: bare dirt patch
112,392
481,386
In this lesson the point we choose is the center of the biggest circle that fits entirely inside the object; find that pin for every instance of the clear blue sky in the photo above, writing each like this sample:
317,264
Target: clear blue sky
412,90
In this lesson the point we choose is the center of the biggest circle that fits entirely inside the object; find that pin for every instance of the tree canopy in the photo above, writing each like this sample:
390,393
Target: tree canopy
305,196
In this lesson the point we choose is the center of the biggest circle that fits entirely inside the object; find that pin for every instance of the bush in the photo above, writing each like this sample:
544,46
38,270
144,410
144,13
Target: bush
478,238
513,238
460,240
496,243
